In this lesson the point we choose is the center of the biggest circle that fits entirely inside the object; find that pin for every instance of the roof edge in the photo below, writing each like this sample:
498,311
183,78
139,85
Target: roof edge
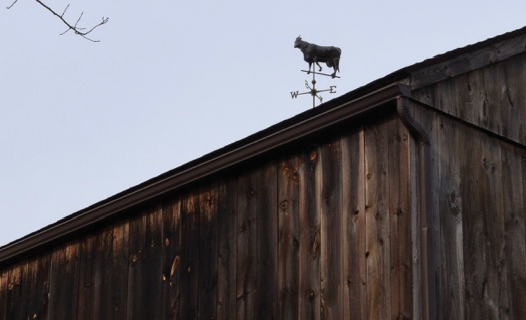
202,167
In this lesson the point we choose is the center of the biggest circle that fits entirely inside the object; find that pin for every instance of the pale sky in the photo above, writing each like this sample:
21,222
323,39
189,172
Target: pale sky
171,81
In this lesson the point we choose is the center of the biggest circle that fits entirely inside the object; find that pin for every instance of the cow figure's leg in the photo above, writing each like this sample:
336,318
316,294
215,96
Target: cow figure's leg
310,65
336,65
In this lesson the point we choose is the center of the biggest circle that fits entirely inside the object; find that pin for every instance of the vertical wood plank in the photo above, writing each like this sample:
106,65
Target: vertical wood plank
513,175
3,293
450,178
497,287
153,248
377,221
309,250
26,284
171,216
189,276
353,206
430,123
404,213
395,212
87,270
208,253
119,269
490,115
136,270
63,287
15,289
267,243
288,238
103,264
399,220
475,186
227,234
37,295
330,207
246,266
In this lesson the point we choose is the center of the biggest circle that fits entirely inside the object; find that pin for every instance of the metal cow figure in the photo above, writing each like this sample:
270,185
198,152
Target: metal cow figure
313,53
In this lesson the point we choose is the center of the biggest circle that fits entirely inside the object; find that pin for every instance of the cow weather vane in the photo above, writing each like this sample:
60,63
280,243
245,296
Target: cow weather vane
314,54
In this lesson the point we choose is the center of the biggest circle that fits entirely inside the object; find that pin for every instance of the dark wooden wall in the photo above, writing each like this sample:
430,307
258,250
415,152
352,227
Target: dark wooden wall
479,191
493,97
322,231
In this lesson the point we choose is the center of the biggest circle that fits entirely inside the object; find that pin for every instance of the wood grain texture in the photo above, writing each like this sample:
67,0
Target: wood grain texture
353,226
497,286
309,239
475,259
513,190
246,247
3,293
63,283
171,258
330,207
491,97
87,269
39,270
429,122
267,243
451,207
400,220
152,281
466,62
226,246
377,221
119,269
103,274
288,238
189,277
208,253
15,290
136,266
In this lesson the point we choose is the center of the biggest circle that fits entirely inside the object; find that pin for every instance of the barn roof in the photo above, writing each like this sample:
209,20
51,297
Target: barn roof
351,104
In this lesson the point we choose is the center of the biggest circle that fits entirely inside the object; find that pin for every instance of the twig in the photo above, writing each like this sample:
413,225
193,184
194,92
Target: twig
12,4
65,9
75,27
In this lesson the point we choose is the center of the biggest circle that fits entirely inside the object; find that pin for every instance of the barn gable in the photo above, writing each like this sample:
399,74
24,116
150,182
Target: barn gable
401,199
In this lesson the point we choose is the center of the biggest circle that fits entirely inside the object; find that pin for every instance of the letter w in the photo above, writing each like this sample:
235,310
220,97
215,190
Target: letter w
294,94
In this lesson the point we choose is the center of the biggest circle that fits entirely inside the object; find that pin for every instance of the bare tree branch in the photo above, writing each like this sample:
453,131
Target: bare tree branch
78,30
12,4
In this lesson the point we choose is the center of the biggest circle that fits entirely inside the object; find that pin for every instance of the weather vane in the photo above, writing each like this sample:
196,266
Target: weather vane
313,54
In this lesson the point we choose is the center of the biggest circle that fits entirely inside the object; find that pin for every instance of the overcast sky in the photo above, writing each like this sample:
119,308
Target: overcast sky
173,80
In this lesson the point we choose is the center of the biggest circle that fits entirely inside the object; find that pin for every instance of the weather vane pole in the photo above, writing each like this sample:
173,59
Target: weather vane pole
313,54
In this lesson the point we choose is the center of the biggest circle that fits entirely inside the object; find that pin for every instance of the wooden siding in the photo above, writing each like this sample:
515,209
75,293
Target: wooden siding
478,198
319,232
492,98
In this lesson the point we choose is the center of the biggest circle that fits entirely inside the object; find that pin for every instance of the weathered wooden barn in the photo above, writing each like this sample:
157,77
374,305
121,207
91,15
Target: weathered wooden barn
403,199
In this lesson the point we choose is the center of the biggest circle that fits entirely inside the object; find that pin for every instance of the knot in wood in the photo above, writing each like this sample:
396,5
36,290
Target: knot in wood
313,155
295,243
327,198
488,166
296,177
284,204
